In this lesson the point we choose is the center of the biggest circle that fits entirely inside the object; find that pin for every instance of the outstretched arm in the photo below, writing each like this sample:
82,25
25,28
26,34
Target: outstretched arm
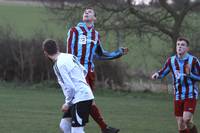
101,54
162,72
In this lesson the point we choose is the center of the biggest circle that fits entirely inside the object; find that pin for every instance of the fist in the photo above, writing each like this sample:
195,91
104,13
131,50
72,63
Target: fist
124,50
64,108
155,76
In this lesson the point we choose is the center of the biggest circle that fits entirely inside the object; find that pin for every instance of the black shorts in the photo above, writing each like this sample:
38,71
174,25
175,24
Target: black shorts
79,113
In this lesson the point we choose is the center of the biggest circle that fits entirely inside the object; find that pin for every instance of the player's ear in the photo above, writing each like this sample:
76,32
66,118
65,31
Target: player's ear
45,53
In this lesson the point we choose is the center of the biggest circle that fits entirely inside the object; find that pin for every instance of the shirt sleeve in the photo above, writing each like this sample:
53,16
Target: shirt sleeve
165,69
66,84
195,72
71,36
101,54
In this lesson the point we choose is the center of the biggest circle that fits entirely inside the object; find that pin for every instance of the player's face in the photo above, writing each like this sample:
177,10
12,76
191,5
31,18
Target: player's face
181,47
89,15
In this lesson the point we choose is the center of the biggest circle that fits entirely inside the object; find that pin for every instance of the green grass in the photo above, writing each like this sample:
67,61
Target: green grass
36,109
28,20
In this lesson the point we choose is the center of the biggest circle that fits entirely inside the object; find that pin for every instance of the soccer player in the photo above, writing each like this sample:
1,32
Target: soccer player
78,95
185,69
84,42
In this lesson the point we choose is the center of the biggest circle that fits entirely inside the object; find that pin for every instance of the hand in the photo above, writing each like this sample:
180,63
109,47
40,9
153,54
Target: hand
187,69
64,108
124,50
155,76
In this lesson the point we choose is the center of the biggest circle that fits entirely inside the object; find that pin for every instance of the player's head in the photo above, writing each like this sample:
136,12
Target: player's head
50,47
89,15
182,46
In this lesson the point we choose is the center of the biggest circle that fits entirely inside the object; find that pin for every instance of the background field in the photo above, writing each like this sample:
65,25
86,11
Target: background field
36,109
27,21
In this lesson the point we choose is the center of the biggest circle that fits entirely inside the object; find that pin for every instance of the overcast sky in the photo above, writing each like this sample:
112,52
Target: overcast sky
147,1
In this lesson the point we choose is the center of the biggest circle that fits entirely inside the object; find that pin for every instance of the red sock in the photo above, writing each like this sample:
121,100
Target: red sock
184,131
95,113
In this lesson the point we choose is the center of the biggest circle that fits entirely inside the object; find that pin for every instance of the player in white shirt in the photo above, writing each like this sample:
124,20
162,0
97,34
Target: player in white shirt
78,95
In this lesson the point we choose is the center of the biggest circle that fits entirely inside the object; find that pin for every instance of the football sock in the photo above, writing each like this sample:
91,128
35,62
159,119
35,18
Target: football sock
95,113
78,130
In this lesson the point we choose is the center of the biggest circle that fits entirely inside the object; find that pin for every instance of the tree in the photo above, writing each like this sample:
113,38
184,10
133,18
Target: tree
165,20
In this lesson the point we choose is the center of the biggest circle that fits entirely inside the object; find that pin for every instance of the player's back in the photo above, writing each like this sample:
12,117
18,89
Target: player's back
76,73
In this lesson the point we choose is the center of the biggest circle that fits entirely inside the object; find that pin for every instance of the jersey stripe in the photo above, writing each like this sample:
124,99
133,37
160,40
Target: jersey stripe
69,40
76,42
91,47
186,79
84,46
179,82
193,82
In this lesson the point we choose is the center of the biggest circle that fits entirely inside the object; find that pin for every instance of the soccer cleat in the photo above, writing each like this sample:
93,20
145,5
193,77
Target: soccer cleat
110,130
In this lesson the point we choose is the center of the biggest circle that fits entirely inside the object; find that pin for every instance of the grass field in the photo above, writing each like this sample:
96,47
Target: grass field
36,109
28,20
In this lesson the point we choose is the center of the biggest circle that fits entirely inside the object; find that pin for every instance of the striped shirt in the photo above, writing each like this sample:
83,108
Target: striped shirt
185,86
85,44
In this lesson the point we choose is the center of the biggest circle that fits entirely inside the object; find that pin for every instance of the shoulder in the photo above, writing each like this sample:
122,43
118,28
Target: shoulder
169,59
64,60
73,29
194,58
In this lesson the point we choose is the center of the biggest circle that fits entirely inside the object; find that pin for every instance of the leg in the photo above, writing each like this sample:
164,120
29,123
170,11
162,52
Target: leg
95,112
178,112
181,125
187,118
78,130
96,115
65,125
189,109
80,115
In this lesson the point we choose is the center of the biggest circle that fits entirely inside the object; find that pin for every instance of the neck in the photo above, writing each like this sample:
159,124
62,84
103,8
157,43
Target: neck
89,24
54,57
181,56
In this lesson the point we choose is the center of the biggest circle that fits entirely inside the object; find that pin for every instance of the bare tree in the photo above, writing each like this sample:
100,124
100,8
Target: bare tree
165,20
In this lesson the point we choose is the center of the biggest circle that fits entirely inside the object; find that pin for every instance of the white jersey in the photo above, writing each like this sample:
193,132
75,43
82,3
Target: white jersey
71,77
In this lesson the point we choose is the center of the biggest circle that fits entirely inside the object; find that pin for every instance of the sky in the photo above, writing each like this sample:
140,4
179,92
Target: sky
147,1
142,1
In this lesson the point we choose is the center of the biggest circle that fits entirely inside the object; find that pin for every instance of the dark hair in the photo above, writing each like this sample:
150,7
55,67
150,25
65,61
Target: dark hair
184,39
50,46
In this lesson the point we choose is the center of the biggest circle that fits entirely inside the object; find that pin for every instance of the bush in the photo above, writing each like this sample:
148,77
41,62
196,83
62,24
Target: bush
111,74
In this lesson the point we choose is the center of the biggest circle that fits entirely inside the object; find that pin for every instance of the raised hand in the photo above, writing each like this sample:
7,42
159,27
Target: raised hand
155,76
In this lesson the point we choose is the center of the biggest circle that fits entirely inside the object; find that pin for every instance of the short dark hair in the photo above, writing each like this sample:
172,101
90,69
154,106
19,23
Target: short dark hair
184,39
50,46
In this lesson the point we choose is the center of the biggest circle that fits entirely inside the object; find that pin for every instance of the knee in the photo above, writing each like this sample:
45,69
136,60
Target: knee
186,120
181,125
65,125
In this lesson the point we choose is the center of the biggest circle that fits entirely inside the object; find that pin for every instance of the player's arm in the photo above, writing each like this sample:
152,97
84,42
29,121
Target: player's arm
194,73
162,72
71,38
102,54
